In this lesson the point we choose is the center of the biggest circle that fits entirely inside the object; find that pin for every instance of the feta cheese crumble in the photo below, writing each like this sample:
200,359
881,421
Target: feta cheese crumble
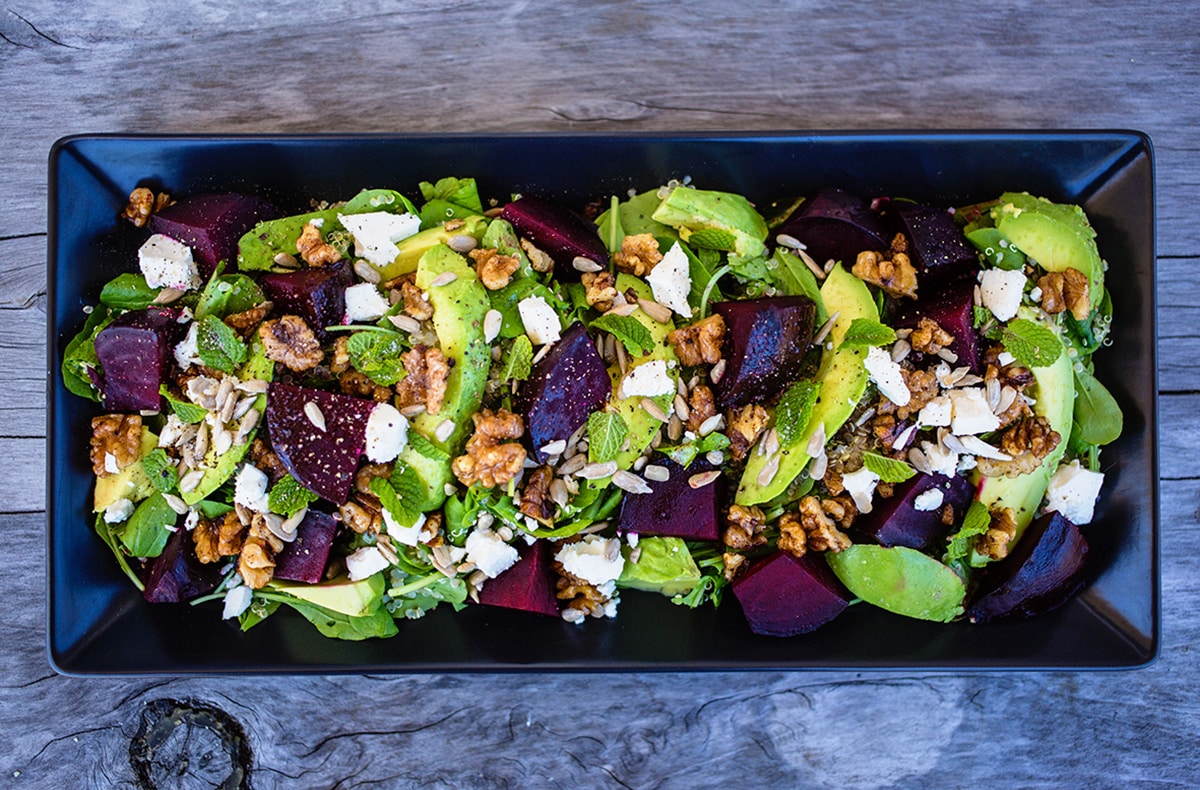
167,263
120,510
364,303
592,559
648,380
929,500
540,321
409,535
489,552
250,489
887,376
1073,491
187,351
1001,290
936,413
671,281
970,412
942,460
387,433
860,486
237,601
365,562
375,234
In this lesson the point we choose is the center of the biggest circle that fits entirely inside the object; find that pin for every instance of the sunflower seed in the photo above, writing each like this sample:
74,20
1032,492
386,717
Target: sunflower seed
657,472
558,492
462,243
900,351
622,359
388,552
612,549
175,503
1008,396
292,523
919,461
791,242
253,386
953,444
816,442
243,406
200,447
639,463
635,554
573,464
770,442
222,440
492,322
703,479
313,412
405,323
445,278
229,407
224,393
167,296
367,273
711,424
444,430
715,457
948,355
274,523
718,370
826,328
976,446
555,447
653,409
768,472
627,481
597,471
582,264
812,265
992,388
414,410
674,428
286,261
905,437
190,481
819,465
681,407
659,312
248,423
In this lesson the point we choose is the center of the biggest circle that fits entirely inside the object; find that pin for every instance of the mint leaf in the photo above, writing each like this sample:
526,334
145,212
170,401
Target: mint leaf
288,497
427,448
128,292
519,360
682,454
218,345
160,469
889,470
401,511
412,490
632,333
980,316
794,411
378,355
145,533
866,332
186,411
1033,344
975,522
606,435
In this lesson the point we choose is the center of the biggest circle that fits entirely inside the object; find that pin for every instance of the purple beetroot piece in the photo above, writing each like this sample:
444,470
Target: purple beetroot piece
317,295
937,245
304,559
561,234
895,521
528,585
136,354
564,387
176,575
1044,570
835,224
951,303
675,509
765,343
211,225
784,596
323,461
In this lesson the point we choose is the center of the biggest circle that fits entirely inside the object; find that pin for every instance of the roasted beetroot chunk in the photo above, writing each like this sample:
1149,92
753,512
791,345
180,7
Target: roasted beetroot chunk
675,509
895,521
561,234
784,596
937,245
212,224
136,355
1044,570
176,575
305,558
528,585
835,224
564,387
316,295
322,460
765,343
951,303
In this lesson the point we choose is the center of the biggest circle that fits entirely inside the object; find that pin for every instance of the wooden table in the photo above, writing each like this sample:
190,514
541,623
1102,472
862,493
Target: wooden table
536,65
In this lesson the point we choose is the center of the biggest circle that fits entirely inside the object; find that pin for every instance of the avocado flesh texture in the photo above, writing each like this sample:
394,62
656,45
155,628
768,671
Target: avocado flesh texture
1055,400
130,483
1055,235
458,311
843,380
341,595
717,214
432,468
415,246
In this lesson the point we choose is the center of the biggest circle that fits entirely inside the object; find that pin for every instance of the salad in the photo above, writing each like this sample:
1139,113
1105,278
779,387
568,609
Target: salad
385,405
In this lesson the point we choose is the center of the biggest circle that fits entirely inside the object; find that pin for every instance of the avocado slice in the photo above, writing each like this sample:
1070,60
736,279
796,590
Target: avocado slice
1055,235
458,311
416,245
843,380
130,483
341,595
718,220
431,466
664,566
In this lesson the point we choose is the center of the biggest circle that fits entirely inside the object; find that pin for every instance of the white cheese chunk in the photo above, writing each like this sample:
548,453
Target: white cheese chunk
375,234
671,281
929,500
399,533
971,413
167,263
489,552
648,380
1001,290
861,487
237,601
1073,491
120,510
592,559
942,461
887,376
365,562
540,321
364,303
387,433
187,352
937,412
250,489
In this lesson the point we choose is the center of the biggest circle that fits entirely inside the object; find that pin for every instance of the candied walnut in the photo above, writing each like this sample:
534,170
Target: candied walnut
431,533
1066,290
841,509
247,320
1051,286
994,542
489,460
821,533
579,594
205,537
734,564
601,289
495,270
535,498
792,537
1028,441
231,534
289,340
922,388
425,383
701,405
929,337
256,563
368,472
833,481
744,527
358,515
947,515
745,426
700,342
340,360
638,254
416,301
313,248
886,429
896,275
267,462
899,243
360,385
540,261
116,442
142,204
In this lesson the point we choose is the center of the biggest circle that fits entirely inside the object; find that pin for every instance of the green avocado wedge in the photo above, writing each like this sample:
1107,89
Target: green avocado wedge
900,580
1056,235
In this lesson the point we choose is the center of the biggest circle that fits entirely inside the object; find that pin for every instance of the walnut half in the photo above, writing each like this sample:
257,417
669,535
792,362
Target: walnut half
490,460
289,340
116,442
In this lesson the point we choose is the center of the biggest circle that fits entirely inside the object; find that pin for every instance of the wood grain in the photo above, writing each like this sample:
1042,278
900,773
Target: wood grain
426,66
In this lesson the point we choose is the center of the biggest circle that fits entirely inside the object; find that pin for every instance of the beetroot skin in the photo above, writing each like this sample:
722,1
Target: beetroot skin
528,585
561,234
212,224
951,304
835,224
305,558
895,521
784,596
322,460
176,575
675,509
765,343
316,295
937,245
136,354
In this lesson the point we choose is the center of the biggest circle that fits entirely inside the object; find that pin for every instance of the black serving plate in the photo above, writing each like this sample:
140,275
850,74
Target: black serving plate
99,624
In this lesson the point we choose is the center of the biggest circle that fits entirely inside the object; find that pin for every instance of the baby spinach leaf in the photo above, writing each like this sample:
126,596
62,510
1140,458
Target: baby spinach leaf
415,597
145,533
79,357
1097,417
460,191
105,531
128,292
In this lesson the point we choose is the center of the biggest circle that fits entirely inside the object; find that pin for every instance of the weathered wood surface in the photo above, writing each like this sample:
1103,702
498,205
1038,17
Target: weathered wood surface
430,66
